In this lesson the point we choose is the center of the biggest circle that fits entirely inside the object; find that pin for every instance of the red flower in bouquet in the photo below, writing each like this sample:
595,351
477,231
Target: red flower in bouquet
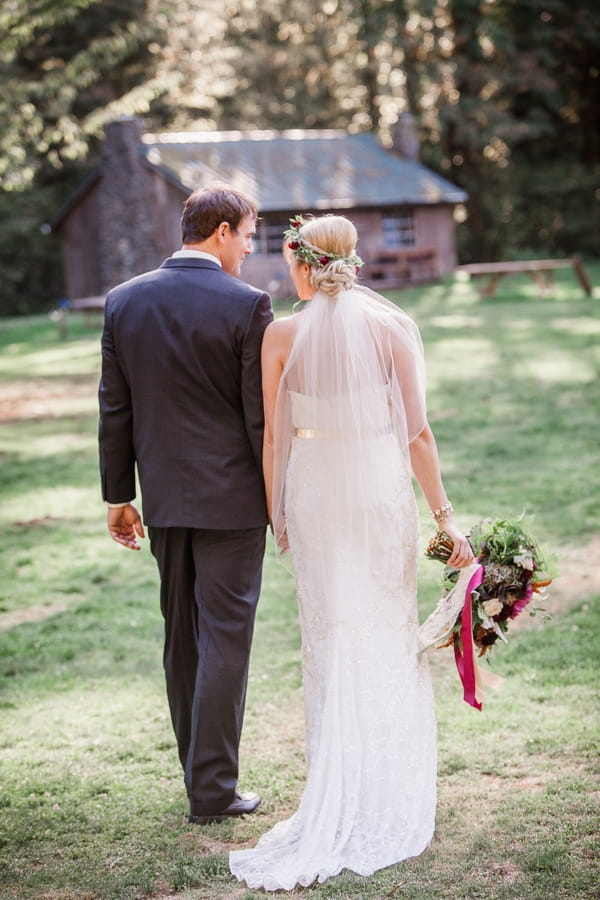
514,569
480,601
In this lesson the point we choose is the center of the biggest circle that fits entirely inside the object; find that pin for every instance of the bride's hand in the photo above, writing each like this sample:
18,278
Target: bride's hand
462,553
283,543
282,540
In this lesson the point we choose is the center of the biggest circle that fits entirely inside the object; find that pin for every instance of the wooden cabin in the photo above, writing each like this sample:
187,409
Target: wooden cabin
125,217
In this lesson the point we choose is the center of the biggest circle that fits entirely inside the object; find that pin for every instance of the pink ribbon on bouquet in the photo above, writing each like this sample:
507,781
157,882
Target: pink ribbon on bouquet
471,676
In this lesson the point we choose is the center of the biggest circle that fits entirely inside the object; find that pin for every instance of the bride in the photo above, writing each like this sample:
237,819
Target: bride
345,425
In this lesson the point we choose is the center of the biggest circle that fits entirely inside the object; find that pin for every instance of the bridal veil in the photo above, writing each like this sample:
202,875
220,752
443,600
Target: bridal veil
356,365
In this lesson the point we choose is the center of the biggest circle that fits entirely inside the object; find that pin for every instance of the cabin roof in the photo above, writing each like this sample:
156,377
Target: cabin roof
300,169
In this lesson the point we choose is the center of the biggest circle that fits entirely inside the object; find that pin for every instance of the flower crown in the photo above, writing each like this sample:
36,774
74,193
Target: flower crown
312,255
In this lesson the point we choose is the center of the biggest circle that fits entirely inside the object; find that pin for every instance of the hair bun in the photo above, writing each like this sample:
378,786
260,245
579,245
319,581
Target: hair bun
336,276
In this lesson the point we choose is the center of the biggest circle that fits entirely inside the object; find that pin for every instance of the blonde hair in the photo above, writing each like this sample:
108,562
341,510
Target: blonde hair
335,236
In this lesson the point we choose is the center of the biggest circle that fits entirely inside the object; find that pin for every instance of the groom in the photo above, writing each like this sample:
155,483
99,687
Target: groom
180,397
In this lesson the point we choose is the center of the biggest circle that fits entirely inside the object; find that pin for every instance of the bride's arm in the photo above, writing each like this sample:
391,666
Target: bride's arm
272,367
426,468
275,351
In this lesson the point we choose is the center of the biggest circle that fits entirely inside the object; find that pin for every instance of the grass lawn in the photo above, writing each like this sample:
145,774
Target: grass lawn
92,804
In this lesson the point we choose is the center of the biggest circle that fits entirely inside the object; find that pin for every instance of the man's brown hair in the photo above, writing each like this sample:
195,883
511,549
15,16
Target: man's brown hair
206,208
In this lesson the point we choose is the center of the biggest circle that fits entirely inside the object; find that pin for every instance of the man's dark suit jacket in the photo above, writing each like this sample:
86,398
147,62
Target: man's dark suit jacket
180,395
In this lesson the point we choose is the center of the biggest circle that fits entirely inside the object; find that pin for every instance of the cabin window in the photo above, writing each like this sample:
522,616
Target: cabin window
398,228
269,235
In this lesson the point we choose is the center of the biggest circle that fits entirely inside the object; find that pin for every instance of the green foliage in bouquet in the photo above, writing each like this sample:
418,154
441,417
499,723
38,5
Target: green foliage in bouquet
515,568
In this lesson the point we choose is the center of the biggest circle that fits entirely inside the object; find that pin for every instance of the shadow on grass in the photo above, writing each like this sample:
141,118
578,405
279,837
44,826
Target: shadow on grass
93,804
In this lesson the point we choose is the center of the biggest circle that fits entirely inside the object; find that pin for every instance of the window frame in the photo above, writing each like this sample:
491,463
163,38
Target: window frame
398,230
269,240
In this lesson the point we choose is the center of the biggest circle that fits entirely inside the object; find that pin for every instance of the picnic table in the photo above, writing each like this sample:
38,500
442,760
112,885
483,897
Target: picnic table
541,270
88,306
397,268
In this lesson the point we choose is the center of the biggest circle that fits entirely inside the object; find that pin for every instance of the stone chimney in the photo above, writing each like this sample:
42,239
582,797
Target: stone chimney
127,229
405,138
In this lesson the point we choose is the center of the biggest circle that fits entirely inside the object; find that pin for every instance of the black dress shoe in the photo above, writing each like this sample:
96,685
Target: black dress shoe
241,805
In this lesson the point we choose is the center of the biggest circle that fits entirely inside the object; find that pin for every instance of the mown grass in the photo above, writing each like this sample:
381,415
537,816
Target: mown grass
92,801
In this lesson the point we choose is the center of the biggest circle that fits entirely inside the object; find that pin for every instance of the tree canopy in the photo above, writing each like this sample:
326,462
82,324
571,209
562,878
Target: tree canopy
506,96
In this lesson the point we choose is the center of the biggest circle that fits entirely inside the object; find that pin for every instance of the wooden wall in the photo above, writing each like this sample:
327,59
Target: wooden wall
85,276
166,212
434,228
81,264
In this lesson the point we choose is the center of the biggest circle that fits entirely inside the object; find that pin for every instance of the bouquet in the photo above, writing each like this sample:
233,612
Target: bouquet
480,602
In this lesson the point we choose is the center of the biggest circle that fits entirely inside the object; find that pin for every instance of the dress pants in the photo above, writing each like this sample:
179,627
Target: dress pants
210,582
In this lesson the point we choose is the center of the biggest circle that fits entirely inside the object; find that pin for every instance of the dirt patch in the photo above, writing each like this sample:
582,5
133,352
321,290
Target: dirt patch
532,784
17,617
578,579
579,575
35,523
505,871
39,399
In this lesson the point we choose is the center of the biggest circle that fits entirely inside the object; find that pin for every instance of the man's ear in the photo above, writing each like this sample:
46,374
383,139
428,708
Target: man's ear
222,230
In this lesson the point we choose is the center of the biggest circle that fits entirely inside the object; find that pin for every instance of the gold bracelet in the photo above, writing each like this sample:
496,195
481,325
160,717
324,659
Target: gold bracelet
443,512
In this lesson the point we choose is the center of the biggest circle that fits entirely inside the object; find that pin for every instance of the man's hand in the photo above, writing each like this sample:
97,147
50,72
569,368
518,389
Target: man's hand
124,523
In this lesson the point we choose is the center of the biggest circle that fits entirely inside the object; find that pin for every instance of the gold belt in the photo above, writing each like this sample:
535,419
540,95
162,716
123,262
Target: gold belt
327,434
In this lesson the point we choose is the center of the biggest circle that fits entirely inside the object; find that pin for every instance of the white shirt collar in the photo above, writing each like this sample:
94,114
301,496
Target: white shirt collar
198,254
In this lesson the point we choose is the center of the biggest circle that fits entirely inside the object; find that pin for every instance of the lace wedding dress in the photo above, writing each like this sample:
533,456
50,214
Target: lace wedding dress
350,512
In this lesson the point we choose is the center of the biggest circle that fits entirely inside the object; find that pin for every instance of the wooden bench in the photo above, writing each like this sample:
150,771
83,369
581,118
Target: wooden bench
397,268
87,305
541,270
90,307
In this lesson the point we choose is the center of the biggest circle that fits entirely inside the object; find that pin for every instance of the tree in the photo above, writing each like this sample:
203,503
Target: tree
504,122
506,95
66,69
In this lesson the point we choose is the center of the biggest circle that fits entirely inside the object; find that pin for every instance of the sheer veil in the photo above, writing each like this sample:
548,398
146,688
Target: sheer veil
351,399
355,372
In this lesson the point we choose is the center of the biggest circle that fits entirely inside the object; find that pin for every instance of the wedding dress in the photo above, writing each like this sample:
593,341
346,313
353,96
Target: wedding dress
351,398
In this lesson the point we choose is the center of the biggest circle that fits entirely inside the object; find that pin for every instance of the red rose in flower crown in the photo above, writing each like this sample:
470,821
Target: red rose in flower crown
305,252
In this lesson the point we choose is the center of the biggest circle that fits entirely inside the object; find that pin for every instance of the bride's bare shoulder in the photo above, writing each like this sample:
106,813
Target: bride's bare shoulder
285,323
282,330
